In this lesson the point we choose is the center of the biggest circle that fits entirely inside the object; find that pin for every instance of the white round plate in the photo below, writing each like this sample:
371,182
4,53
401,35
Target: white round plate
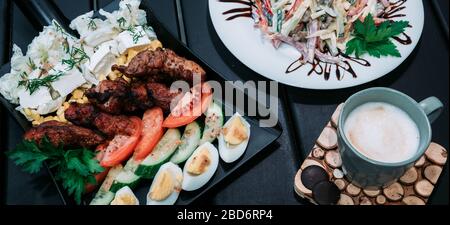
248,45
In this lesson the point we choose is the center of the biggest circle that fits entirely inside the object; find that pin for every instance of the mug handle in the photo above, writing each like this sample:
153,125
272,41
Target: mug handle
432,107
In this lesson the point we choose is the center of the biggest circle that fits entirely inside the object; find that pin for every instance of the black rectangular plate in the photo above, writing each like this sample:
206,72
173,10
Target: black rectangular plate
260,138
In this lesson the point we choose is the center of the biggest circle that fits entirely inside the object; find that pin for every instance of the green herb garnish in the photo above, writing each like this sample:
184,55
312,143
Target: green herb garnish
31,64
76,57
135,34
375,40
34,84
73,167
129,7
59,28
92,25
121,22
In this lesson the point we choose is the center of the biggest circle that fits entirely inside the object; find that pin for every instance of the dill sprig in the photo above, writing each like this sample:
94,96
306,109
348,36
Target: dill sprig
135,34
34,84
121,22
76,57
92,25
31,64
129,7
59,28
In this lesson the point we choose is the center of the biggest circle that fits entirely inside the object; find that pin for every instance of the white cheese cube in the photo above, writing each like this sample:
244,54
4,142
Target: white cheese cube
102,60
39,97
100,35
128,39
68,82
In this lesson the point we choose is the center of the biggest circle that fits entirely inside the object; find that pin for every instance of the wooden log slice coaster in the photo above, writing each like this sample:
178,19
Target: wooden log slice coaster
363,200
310,162
318,153
345,200
337,173
432,173
436,154
394,192
410,176
335,116
333,159
380,200
371,193
413,200
353,190
328,138
420,162
424,188
340,183
330,186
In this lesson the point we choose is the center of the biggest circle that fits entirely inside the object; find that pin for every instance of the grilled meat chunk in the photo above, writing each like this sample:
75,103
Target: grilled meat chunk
139,98
109,95
116,97
86,115
66,134
81,114
153,63
161,95
114,124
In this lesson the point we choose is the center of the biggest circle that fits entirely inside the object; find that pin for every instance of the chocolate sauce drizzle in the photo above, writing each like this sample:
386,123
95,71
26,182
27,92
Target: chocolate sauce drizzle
318,66
238,12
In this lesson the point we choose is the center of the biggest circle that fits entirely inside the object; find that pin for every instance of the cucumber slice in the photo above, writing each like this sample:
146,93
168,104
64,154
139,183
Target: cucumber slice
126,177
189,142
213,123
161,154
104,196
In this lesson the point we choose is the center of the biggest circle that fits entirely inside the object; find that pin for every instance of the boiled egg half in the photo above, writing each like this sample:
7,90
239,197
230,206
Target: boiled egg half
166,185
125,196
200,167
233,139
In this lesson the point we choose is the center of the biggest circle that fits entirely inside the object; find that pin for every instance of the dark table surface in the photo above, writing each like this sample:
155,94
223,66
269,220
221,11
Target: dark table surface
268,179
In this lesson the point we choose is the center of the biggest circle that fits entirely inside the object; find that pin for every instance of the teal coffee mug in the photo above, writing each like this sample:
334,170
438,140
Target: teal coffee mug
367,172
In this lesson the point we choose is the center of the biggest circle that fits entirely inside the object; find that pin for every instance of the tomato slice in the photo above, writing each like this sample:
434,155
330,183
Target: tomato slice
99,177
190,106
122,146
152,131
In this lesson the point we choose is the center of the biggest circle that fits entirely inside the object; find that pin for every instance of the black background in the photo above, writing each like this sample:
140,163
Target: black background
268,179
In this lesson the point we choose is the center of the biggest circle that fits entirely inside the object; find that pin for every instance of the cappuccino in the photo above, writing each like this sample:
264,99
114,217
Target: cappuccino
382,132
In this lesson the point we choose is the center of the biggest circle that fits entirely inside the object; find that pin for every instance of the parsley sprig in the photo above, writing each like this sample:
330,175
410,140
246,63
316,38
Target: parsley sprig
74,167
34,84
375,40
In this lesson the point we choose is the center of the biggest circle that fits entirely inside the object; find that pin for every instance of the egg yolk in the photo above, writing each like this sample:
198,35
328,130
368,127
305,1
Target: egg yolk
200,163
163,186
236,132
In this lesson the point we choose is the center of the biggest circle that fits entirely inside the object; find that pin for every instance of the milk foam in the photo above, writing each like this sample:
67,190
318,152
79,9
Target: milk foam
382,132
